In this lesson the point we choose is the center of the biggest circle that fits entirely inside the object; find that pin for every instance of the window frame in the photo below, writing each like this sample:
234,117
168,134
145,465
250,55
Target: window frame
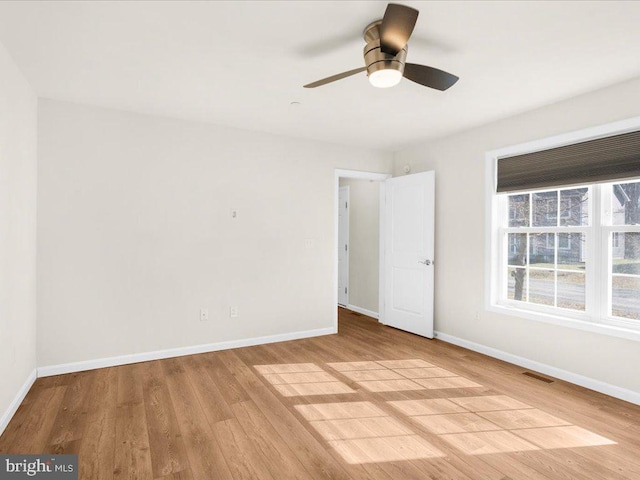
503,264
598,294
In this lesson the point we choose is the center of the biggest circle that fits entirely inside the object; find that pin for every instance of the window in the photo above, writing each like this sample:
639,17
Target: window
567,254
549,267
552,256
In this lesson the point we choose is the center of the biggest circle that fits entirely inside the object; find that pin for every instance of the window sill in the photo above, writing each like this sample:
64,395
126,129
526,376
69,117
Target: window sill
610,330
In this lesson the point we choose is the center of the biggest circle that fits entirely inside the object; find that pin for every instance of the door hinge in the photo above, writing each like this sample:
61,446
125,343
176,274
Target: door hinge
345,290
345,247
346,204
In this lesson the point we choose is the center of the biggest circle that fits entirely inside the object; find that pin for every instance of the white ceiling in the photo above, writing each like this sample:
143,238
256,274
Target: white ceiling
241,64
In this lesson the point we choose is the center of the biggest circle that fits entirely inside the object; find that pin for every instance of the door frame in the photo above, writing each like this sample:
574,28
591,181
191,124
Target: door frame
348,190
357,174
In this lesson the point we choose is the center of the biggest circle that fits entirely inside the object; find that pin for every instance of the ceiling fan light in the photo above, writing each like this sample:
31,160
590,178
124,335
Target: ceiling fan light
385,78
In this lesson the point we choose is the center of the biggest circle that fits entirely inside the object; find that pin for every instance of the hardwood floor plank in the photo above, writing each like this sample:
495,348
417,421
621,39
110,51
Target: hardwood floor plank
132,458
70,420
167,450
280,460
243,459
205,457
211,398
130,384
96,455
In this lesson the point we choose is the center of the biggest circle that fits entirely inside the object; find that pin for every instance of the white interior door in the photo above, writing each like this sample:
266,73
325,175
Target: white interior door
343,246
407,283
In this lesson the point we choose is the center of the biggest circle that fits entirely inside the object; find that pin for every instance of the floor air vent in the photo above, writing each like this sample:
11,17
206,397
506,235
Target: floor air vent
538,377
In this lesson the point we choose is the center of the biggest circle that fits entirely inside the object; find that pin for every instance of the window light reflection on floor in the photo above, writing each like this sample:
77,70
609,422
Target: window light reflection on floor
360,432
300,379
401,375
495,424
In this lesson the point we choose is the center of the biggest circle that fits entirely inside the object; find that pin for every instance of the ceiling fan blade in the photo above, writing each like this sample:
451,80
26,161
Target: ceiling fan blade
429,76
333,78
396,28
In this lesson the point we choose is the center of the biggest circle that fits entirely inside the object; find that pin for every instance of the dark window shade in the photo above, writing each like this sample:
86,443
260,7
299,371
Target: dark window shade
601,160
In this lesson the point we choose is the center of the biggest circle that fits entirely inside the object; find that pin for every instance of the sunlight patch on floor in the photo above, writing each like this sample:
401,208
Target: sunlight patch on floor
427,406
360,432
455,423
366,375
495,424
332,411
391,385
411,363
529,418
288,368
323,388
385,449
489,402
446,382
401,375
563,437
300,379
307,377
481,443
348,366
425,372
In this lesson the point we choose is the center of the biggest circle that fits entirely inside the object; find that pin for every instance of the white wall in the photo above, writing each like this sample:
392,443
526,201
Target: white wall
18,165
135,233
460,226
364,236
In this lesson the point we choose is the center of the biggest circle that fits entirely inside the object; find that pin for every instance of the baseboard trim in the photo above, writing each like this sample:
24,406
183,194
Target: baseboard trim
587,382
13,406
178,352
363,311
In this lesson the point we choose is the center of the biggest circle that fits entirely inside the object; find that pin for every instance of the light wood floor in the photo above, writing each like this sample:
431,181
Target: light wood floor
335,407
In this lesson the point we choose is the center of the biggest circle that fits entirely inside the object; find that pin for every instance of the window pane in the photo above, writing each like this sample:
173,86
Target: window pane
516,278
625,203
626,297
572,251
519,210
626,255
571,290
574,207
517,243
542,249
545,209
541,287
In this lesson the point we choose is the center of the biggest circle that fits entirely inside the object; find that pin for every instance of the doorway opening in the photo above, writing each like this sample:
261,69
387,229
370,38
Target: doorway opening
358,224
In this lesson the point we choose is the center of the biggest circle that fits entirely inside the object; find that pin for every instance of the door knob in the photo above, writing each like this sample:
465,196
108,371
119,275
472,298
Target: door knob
426,262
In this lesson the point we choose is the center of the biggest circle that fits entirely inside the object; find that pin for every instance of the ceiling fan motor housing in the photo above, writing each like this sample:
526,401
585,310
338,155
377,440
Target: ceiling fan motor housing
375,58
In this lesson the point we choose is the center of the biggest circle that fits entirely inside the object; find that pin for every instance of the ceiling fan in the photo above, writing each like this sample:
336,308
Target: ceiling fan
386,51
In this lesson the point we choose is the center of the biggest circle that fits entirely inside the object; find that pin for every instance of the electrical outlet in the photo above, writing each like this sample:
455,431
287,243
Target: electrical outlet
204,314
233,311
477,315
